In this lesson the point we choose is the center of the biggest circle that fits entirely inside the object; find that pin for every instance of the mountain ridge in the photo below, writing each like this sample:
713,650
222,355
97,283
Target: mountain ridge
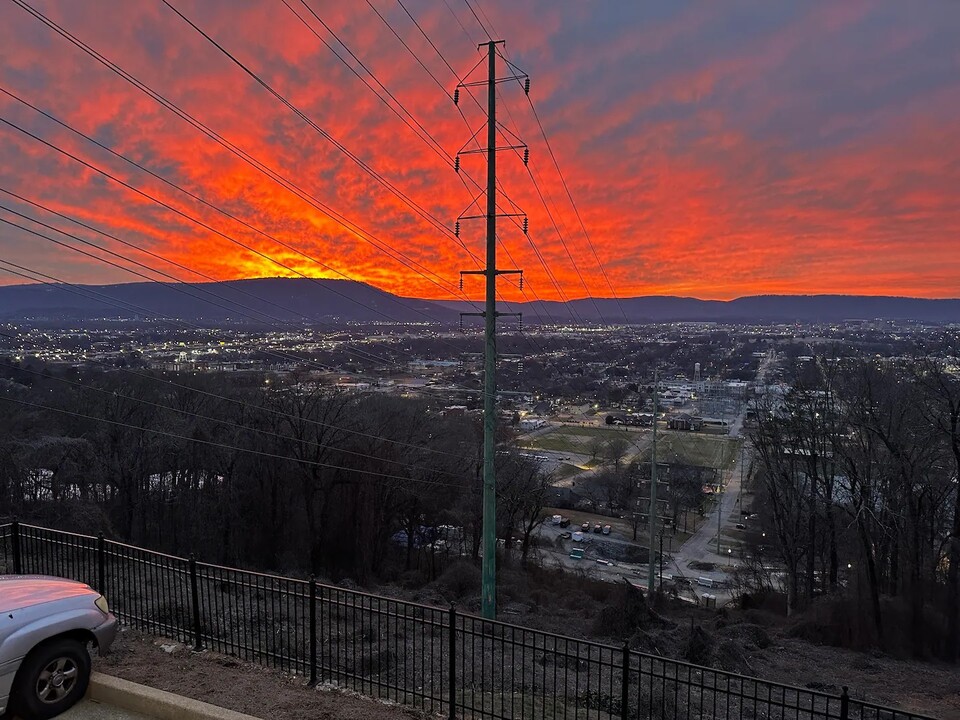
269,300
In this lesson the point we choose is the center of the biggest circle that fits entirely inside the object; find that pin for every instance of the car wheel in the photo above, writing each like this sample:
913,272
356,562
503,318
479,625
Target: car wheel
52,678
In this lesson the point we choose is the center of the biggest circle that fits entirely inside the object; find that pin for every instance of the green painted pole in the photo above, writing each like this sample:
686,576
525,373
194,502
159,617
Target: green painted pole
489,569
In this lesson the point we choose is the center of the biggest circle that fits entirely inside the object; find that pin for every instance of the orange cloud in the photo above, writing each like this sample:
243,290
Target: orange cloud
710,153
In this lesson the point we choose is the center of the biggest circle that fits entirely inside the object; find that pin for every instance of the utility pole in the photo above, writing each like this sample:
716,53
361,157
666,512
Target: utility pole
489,570
653,490
490,315
719,513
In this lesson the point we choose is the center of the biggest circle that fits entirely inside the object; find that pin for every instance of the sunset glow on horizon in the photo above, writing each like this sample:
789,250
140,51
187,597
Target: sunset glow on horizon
713,150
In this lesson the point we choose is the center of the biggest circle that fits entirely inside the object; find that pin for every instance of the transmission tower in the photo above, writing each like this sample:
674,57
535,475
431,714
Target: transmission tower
490,313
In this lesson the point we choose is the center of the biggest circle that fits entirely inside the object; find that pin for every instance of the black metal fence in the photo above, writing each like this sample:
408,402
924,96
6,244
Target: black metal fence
438,660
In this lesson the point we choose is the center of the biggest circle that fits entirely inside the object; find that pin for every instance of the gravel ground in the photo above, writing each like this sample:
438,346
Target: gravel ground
235,685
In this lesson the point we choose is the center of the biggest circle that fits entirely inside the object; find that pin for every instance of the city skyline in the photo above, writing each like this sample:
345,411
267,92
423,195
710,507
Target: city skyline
712,151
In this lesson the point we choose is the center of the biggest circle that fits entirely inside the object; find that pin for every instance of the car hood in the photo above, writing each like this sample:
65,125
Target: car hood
19,591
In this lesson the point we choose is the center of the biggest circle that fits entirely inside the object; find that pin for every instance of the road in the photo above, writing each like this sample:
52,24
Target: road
701,547
92,710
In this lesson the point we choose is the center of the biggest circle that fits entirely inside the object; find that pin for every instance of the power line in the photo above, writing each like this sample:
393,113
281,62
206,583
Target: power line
562,179
88,293
363,354
487,32
202,224
199,199
550,275
197,221
418,209
220,421
222,446
128,77
420,131
262,167
538,254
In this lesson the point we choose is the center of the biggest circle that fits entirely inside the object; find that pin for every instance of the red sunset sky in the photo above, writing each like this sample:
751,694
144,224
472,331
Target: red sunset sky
713,149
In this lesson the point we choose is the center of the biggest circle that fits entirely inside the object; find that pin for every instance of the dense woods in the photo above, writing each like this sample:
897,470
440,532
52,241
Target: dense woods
857,480
296,478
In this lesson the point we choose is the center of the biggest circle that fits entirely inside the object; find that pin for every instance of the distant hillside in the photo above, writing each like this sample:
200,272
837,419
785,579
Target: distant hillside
264,300
773,308
297,299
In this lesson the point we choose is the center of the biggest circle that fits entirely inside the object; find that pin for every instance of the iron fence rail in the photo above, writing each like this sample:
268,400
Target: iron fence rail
437,660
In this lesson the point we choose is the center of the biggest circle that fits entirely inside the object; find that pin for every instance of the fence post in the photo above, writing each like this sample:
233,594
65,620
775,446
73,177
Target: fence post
15,547
844,704
195,596
313,631
625,682
101,564
452,662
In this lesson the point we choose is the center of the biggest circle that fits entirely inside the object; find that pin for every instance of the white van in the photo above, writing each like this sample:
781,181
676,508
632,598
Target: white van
706,582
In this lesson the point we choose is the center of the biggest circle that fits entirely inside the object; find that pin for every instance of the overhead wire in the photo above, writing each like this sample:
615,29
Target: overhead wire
199,199
566,187
195,220
562,179
366,355
260,166
551,276
82,291
222,446
216,420
155,96
176,286
420,131
363,165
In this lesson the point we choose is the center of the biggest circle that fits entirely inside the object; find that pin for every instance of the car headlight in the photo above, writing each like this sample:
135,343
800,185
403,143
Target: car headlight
101,603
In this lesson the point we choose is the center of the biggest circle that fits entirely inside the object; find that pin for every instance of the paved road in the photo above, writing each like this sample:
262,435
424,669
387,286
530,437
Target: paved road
702,545
91,710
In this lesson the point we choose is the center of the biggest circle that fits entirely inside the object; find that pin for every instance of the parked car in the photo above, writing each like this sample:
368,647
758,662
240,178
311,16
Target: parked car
598,528
46,624
585,527
606,529
564,522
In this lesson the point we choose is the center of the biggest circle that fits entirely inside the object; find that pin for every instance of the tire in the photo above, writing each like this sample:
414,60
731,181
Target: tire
53,677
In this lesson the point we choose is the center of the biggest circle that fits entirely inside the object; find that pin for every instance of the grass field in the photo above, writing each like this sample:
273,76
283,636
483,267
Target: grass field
572,439
689,448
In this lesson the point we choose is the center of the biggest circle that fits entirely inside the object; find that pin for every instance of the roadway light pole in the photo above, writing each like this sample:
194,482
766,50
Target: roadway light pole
719,512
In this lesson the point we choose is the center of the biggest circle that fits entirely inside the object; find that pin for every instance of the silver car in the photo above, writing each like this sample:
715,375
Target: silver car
46,624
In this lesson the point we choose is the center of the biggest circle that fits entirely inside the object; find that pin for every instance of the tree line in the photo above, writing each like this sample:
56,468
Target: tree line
857,470
249,470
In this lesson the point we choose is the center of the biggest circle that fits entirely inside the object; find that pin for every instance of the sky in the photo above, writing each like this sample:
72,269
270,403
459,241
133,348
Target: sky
710,149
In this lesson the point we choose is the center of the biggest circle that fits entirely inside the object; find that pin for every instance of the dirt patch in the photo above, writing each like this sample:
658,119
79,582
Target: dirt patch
230,683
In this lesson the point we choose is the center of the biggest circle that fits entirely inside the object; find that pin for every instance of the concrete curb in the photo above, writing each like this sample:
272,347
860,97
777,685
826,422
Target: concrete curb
155,703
